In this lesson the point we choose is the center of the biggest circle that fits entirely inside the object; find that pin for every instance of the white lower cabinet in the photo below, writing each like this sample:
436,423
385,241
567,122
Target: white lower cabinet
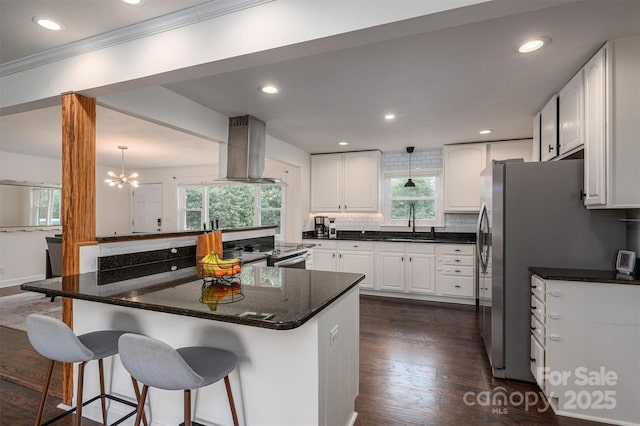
324,256
455,270
585,347
344,256
357,256
430,271
407,268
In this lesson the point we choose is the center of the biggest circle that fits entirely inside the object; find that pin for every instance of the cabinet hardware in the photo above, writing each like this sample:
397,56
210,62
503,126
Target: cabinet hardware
532,359
174,251
458,260
555,337
533,307
457,271
410,259
402,258
334,255
355,246
551,148
533,286
457,250
457,286
554,316
338,206
532,328
583,194
174,267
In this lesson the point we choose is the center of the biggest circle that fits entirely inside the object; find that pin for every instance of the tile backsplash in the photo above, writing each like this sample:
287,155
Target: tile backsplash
399,161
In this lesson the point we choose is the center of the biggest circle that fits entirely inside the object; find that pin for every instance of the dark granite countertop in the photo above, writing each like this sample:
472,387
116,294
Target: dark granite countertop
274,298
585,275
404,237
151,236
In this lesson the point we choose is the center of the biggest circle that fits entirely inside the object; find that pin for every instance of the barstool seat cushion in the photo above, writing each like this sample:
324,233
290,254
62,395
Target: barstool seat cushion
54,339
158,365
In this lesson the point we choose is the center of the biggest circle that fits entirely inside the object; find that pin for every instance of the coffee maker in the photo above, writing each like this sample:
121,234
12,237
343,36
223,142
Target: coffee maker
321,230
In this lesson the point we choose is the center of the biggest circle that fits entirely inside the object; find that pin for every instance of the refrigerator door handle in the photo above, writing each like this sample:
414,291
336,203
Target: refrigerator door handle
480,239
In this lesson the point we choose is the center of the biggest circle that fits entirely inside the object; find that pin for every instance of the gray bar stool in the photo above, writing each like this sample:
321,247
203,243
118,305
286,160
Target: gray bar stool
156,364
54,340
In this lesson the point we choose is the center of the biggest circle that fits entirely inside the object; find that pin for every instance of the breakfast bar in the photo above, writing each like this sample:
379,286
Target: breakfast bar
295,332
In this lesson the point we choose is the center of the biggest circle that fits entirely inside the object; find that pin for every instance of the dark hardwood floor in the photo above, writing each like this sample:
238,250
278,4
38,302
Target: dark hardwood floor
417,361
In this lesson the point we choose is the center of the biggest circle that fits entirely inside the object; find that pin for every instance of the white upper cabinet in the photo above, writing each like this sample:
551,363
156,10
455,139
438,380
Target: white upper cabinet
612,121
500,151
326,183
594,130
570,115
462,167
345,182
361,174
535,151
549,130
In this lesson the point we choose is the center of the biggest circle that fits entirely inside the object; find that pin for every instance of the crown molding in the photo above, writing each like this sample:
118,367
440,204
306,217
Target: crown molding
168,22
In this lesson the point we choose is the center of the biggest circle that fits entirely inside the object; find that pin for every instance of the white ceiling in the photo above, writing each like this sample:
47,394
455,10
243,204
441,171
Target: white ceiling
443,85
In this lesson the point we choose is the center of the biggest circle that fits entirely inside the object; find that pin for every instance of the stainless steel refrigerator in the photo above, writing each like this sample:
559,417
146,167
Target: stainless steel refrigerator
533,215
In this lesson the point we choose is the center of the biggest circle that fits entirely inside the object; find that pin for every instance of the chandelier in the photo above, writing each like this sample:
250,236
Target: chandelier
120,180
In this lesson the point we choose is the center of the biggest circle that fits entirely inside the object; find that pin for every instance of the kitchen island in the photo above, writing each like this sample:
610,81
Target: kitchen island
295,332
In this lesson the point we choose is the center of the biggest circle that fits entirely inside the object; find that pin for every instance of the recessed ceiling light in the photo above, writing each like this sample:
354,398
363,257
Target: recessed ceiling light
389,116
533,44
133,2
47,23
269,89
485,131
343,143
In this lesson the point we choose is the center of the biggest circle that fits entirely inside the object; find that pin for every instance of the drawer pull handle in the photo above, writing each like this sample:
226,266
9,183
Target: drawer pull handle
456,286
532,328
532,359
356,246
533,286
457,270
555,337
457,250
174,251
458,260
533,307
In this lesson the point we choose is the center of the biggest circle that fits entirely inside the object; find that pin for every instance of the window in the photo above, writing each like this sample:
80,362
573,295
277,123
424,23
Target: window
45,206
234,205
425,197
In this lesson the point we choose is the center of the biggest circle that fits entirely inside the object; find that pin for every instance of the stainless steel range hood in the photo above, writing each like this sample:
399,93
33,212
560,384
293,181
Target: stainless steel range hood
246,151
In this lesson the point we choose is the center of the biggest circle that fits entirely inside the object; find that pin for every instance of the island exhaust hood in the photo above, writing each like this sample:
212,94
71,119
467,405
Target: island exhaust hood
246,151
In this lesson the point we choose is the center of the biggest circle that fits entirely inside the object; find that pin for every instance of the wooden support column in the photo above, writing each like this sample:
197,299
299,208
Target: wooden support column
78,198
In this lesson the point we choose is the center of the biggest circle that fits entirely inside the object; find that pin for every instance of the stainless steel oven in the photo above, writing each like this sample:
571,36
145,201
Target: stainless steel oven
296,259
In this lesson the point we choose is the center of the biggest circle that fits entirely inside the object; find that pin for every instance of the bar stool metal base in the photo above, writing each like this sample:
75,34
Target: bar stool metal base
107,396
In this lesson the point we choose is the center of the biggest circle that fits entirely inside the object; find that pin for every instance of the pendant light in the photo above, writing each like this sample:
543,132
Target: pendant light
410,183
120,180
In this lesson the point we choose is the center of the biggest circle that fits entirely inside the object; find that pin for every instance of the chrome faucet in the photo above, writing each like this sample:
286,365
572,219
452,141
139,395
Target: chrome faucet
412,218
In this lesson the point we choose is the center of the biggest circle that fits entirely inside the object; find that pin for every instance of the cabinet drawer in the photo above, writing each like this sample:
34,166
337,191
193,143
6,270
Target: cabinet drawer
355,245
537,329
456,270
454,286
455,249
538,287
537,362
323,244
537,308
455,260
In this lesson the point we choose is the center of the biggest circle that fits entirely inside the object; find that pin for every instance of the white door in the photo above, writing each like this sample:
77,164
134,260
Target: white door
361,181
360,262
549,130
324,260
390,271
326,181
146,202
421,276
571,113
